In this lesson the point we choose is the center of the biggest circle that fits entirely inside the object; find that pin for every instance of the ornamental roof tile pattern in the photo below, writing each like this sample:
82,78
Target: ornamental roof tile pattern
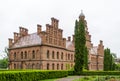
29,40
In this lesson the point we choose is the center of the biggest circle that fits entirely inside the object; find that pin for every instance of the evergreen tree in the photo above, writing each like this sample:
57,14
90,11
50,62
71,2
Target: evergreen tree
107,59
109,63
86,59
80,41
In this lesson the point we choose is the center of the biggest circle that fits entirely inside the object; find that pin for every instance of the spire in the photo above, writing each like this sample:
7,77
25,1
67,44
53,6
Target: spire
81,16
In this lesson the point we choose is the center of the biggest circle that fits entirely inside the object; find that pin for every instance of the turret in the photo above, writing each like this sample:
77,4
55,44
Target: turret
81,16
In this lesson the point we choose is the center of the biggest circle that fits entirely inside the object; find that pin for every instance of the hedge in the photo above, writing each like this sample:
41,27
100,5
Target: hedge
89,73
31,75
37,75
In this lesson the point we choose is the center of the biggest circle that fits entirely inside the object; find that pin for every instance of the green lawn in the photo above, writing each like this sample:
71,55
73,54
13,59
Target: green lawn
49,80
99,78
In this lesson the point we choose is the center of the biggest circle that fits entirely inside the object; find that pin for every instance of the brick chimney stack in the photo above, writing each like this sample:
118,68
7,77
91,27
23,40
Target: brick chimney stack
101,42
69,38
16,37
54,22
39,29
23,31
10,42
73,36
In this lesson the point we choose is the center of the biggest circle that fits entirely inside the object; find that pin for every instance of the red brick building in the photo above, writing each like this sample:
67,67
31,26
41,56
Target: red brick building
49,50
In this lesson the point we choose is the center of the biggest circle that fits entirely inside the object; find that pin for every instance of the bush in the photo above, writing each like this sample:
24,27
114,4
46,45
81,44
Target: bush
87,73
31,75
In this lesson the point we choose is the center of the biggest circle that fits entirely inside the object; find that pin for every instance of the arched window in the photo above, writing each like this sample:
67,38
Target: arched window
37,66
71,56
71,65
57,66
33,66
33,54
57,55
53,65
21,55
62,55
68,56
53,55
15,66
15,56
29,66
48,66
25,55
48,54
61,66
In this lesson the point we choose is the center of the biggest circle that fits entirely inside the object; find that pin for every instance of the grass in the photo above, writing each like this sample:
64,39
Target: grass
99,78
49,80
86,78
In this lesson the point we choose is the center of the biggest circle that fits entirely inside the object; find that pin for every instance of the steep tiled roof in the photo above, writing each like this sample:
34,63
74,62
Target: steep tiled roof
29,40
69,45
94,50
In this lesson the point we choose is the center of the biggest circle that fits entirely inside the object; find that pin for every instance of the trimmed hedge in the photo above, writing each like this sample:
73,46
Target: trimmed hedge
89,73
31,75
37,75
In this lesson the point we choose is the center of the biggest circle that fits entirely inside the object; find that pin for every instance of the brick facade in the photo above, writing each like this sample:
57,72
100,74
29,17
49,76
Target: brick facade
48,50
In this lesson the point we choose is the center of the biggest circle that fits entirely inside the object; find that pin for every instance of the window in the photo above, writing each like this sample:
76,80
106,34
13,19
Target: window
53,55
53,66
68,56
71,65
21,55
33,66
15,56
57,66
33,54
61,66
37,66
25,55
15,66
48,54
62,55
71,57
47,66
29,67
57,55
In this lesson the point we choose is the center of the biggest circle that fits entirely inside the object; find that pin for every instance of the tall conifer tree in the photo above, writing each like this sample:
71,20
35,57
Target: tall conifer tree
80,41
108,60
86,59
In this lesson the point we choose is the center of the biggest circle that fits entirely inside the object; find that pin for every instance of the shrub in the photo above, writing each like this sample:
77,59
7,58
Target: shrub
31,75
87,73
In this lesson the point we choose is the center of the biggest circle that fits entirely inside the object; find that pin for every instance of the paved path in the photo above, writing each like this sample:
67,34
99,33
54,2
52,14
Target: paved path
69,78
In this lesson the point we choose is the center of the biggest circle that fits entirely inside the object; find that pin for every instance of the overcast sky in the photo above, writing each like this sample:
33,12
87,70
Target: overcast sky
103,18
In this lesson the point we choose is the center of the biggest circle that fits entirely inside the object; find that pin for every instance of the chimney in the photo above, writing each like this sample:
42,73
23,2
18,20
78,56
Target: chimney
64,42
23,31
69,38
16,36
91,44
54,22
73,38
26,31
101,42
38,28
10,42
